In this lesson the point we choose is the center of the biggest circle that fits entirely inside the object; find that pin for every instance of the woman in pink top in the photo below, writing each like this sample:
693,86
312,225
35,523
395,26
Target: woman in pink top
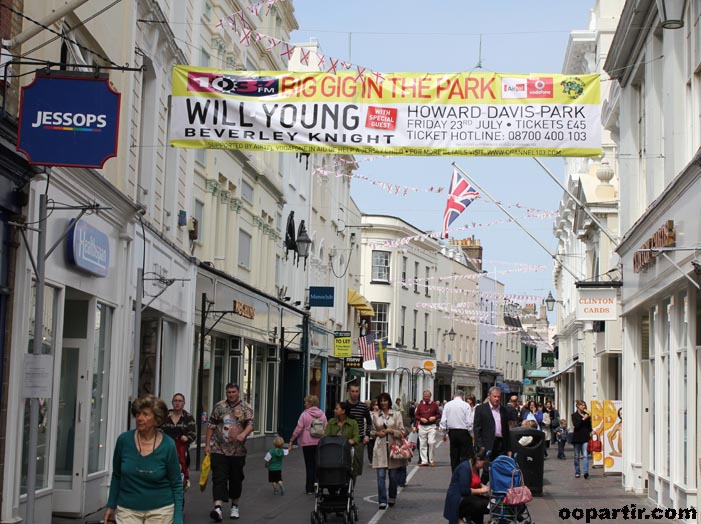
307,425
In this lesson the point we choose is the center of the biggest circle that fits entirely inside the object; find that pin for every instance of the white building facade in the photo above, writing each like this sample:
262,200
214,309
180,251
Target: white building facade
653,110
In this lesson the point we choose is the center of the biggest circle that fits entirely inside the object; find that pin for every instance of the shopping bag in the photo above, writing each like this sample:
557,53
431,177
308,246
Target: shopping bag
204,473
401,450
517,495
413,439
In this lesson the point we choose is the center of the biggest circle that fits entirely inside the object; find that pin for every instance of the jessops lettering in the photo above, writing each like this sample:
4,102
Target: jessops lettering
90,251
49,118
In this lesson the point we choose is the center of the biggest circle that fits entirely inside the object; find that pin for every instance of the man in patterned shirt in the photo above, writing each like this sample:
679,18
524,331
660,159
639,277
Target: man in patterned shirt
229,425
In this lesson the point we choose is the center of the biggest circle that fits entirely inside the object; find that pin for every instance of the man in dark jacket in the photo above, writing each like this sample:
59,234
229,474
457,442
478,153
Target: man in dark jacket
491,425
580,437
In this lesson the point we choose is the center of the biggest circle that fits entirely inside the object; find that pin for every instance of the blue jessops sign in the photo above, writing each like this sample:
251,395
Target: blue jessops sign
89,249
321,296
69,121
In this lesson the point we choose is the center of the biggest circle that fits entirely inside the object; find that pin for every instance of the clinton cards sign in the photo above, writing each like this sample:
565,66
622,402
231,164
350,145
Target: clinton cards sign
69,121
597,304
476,114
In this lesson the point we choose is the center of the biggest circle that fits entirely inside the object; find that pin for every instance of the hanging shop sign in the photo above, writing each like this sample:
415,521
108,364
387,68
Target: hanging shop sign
547,359
353,362
597,304
69,121
342,344
475,114
321,296
244,310
665,236
88,249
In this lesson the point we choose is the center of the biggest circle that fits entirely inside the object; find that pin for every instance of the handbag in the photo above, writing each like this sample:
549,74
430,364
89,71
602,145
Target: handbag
594,445
517,495
401,449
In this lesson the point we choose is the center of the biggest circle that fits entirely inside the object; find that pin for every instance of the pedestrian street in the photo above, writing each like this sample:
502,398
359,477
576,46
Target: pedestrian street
420,502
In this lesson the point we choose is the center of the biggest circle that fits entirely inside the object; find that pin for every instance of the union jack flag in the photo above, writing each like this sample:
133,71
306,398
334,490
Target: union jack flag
461,195
367,346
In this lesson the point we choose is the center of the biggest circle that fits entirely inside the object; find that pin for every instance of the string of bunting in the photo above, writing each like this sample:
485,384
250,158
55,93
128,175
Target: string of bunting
248,36
396,189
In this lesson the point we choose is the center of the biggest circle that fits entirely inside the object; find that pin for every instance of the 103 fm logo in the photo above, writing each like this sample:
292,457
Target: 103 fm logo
256,86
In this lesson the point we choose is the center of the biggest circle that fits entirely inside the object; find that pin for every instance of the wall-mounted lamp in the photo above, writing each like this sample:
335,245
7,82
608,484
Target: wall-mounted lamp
297,302
671,13
303,243
550,301
450,334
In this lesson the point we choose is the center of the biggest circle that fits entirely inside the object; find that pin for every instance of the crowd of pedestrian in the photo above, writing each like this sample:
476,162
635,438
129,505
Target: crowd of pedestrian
151,463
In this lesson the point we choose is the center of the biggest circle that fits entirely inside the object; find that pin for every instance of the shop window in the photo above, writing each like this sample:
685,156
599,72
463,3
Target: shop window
48,347
100,388
244,249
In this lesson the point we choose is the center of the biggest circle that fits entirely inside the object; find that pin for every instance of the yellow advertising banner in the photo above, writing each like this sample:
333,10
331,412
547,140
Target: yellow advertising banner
473,114
613,438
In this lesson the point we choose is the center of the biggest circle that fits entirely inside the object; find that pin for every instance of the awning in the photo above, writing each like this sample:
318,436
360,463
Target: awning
360,303
557,374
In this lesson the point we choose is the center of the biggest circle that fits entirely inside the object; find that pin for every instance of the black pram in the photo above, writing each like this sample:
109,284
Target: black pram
335,484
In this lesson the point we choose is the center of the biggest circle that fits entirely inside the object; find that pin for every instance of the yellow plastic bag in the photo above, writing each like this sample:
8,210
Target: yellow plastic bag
204,473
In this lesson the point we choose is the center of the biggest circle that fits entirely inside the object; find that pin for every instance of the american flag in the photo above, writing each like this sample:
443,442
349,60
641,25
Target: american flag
367,346
461,195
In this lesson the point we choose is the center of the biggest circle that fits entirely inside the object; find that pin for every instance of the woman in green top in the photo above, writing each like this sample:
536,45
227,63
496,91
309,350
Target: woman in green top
146,482
342,425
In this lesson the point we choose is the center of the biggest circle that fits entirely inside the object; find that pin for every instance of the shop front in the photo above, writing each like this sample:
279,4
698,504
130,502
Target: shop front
467,380
444,382
88,293
661,341
406,376
253,340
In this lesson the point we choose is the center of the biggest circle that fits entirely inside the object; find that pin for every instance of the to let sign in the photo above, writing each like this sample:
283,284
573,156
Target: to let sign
342,344
597,304
69,121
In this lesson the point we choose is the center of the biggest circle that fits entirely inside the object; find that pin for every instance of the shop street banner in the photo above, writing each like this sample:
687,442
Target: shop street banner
474,114
613,437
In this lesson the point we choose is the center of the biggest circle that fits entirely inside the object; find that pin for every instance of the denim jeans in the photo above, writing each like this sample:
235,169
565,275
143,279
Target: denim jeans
382,485
581,450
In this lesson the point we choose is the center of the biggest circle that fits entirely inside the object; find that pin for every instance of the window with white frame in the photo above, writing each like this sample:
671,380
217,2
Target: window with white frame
428,275
414,327
404,264
380,322
425,331
380,266
245,241
247,191
198,215
402,325
416,277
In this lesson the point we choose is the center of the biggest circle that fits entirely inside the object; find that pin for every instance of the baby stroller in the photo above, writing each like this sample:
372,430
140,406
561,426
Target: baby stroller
335,484
501,471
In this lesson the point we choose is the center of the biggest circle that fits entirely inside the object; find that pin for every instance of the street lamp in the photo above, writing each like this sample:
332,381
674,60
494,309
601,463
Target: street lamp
550,301
671,13
451,334
303,243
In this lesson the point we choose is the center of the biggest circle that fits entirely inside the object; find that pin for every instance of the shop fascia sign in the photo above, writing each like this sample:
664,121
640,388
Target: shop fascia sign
597,304
88,249
69,120
665,236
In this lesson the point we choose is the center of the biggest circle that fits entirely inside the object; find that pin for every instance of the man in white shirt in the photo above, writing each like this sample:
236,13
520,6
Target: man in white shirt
457,420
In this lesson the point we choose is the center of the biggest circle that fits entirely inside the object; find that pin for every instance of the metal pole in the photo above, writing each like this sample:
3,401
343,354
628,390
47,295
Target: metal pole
603,228
516,221
200,378
137,330
36,350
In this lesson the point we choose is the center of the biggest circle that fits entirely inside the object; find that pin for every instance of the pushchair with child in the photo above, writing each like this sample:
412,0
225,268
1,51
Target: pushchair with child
504,473
335,484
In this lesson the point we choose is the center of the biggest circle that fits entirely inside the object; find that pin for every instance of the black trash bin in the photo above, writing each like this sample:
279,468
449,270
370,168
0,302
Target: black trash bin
530,456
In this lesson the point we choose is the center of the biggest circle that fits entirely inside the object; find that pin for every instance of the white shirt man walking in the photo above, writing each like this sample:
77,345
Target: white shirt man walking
457,419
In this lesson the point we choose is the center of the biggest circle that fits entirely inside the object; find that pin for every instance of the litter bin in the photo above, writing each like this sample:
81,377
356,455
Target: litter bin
529,453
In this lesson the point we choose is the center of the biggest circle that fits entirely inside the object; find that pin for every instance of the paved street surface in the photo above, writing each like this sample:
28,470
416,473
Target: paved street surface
420,502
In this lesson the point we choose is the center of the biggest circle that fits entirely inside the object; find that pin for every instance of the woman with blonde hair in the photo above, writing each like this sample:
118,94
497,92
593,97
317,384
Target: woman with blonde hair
146,484
310,427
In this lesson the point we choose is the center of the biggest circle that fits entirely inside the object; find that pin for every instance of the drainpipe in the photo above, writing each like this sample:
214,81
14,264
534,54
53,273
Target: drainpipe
46,21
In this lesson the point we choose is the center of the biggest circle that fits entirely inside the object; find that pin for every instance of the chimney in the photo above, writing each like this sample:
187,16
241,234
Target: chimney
472,248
